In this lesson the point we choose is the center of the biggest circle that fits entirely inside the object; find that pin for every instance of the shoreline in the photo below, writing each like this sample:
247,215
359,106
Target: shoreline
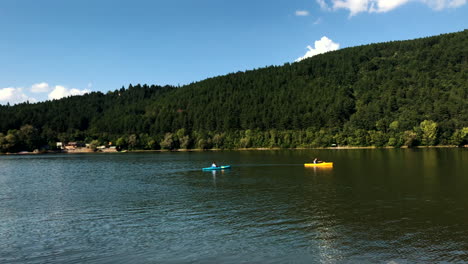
318,148
237,149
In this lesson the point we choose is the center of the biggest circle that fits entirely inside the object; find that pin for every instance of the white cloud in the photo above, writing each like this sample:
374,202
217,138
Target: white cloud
302,13
42,87
456,3
354,6
61,91
323,4
14,96
442,4
321,46
381,6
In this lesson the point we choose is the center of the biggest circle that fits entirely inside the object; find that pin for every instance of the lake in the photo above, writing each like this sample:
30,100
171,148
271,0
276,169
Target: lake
374,206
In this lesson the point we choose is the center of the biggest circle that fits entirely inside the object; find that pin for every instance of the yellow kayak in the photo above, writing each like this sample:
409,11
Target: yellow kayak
322,164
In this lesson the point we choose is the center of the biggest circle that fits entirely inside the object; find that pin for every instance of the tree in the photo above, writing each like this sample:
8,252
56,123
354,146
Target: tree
378,138
184,142
168,141
218,140
410,138
28,137
394,126
2,143
132,141
460,137
429,132
94,144
121,143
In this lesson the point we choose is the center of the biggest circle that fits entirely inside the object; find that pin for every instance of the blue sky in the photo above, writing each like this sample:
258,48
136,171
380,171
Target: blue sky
55,48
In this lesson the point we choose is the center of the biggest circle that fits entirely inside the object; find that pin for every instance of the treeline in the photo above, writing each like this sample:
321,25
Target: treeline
28,138
389,94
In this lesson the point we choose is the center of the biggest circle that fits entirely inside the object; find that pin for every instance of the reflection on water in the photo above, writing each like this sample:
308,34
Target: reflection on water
373,206
213,172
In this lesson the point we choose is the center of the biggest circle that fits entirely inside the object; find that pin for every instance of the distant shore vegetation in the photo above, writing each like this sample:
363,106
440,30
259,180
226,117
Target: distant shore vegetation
400,93
28,138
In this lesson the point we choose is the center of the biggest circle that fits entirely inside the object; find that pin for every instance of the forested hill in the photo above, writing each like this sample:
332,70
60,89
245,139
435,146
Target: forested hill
396,93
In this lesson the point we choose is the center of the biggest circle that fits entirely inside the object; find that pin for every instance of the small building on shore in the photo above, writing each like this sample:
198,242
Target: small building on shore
109,149
82,147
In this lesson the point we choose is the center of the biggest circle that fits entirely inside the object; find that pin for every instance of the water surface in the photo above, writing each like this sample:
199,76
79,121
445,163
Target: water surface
374,206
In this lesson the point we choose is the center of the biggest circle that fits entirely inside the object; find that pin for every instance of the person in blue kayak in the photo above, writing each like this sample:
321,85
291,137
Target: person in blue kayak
316,161
214,165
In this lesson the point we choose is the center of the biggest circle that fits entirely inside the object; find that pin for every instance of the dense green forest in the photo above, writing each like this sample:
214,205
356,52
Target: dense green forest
400,93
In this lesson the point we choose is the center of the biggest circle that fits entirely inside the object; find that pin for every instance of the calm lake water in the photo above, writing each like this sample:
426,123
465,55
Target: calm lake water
374,206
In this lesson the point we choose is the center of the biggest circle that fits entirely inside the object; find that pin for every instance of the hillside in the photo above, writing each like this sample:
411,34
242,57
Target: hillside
388,94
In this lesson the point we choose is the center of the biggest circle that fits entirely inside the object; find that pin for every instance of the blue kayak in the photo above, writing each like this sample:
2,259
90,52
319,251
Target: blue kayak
217,168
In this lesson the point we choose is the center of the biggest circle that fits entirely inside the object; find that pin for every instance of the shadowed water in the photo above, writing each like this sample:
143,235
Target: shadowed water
374,206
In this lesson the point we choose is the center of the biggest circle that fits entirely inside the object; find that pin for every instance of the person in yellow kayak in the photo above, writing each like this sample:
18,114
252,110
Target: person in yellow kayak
316,161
